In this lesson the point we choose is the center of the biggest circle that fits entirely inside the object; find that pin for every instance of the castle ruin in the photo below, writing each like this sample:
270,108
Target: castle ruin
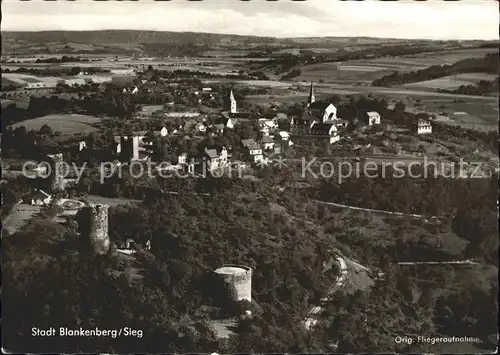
93,226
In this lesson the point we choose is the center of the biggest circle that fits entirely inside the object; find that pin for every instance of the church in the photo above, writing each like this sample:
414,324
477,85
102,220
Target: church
318,121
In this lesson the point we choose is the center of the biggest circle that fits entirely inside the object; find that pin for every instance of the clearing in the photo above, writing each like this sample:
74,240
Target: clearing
64,123
19,216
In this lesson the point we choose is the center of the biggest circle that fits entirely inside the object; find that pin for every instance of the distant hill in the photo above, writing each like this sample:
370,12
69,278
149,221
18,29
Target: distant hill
173,43
123,41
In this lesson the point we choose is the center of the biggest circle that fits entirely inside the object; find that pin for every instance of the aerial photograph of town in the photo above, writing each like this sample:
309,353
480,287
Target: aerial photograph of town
250,177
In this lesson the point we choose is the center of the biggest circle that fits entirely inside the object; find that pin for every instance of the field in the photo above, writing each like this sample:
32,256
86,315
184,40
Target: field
66,124
452,82
367,70
19,216
23,79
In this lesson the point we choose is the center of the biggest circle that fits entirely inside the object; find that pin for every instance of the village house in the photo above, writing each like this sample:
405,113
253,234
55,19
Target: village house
284,136
371,118
40,198
182,158
216,158
423,127
134,147
254,150
267,143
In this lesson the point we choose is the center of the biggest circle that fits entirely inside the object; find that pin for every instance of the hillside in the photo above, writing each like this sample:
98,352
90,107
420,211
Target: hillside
488,64
134,41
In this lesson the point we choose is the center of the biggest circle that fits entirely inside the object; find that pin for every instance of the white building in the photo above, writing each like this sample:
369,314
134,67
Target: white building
254,150
73,82
423,127
372,118
163,132
125,71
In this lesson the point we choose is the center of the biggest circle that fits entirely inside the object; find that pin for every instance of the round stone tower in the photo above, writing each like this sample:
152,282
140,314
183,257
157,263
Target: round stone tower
93,225
240,277
56,175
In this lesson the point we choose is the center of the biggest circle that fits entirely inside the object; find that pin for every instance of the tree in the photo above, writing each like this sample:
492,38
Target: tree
45,130
400,107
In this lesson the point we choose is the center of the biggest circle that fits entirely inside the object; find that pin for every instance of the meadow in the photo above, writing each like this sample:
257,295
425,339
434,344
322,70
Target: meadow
68,124
367,70
452,82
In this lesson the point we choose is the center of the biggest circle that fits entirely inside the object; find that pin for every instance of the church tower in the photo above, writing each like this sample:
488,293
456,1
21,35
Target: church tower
311,98
232,101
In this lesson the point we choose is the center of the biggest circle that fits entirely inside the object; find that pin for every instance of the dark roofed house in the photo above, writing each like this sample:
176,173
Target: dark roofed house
216,157
248,142
301,125
267,142
326,131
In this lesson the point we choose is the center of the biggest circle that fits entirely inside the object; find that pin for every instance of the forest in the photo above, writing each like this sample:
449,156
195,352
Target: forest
487,64
281,236
482,88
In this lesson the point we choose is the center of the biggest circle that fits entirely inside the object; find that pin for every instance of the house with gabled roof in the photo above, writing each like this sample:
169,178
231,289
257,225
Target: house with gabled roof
216,157
267,142
423,126
326,131
371,118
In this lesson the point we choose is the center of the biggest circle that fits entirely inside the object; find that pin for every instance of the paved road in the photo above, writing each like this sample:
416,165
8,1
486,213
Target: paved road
461,262
399,214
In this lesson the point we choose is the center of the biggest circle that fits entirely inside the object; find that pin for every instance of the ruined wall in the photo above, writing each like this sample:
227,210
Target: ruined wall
56,176
241,281
93,225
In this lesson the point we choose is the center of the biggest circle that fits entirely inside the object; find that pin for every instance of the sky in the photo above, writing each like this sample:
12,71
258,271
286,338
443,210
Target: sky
433,19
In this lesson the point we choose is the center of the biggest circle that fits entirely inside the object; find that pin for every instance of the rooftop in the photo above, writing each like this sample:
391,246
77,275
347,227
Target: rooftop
232,270
319,105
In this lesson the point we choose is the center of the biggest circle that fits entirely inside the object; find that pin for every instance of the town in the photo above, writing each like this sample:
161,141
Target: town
290,197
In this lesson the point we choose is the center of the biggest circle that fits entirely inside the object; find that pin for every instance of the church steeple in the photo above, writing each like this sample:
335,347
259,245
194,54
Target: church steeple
311,97
232,102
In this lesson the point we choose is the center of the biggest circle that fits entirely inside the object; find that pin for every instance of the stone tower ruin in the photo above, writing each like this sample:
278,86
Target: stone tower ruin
238,277
57,174
93,226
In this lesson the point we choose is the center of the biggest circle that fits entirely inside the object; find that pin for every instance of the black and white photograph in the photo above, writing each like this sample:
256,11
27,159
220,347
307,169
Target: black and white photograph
225,176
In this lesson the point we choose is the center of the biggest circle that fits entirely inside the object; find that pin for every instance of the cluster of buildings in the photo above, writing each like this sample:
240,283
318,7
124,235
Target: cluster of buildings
138,145
319,121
